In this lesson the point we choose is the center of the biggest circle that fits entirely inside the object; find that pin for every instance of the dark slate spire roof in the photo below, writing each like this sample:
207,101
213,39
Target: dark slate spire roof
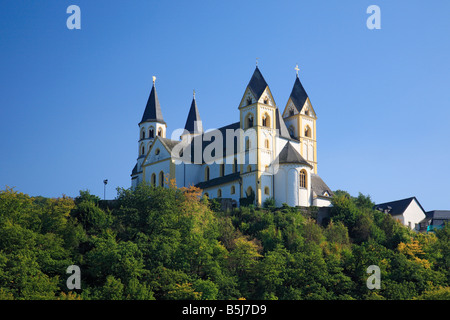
193,122
298,95
289,155
281,125
153,109
257,84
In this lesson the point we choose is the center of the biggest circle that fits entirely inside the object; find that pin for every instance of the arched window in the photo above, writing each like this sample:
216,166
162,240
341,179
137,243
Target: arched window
291,112
161,179
303,181
266,191
233,190
160,132
157,151
235,166
247,144
219,193
266,100
266,120
308,132
249,101
153,180
142,149
249,191
292,131
207,174
222,169
250,120
143,134
151,133
266,144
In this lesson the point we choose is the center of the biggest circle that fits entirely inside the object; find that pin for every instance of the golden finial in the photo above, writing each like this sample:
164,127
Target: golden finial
257,61
193,93
154,79
297,69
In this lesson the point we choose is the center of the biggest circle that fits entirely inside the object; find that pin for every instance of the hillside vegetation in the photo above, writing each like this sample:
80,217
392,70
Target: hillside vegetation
169,243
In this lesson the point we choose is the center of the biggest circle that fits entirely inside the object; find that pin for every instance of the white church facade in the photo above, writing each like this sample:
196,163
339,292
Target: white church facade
267,154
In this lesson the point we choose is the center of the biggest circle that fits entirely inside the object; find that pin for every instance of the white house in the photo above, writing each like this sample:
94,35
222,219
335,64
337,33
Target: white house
408,211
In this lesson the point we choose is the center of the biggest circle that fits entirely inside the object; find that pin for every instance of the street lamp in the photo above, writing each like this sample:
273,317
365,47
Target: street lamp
104,188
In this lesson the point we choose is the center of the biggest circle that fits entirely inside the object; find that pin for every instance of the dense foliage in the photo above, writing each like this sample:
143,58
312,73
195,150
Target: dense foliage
169,243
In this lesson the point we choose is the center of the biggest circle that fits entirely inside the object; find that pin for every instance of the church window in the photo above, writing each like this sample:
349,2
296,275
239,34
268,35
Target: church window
207,174
292,131
161,179
247,144
249,121
266,191
222,169
151,133
303,179
143,135
235,165
233,190
249,191
249,101
291,112
308,132
266,100
219,193
153,180
266,144
157,151
142,150
266,120
307,112
160,132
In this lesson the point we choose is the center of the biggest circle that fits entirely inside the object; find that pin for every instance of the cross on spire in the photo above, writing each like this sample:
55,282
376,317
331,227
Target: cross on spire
154,79
296,69
257,61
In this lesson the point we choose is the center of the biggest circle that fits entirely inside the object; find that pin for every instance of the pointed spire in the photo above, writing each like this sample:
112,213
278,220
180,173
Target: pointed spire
280,125
257,84
298,94
193,122
152,111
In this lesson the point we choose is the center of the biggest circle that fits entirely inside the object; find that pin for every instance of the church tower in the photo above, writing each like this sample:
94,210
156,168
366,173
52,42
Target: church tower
193,124
258,119
152,124
300,119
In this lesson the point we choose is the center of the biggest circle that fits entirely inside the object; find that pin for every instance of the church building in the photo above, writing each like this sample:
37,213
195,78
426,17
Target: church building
266,154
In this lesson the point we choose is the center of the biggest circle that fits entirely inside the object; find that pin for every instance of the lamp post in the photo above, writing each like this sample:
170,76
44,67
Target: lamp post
104,188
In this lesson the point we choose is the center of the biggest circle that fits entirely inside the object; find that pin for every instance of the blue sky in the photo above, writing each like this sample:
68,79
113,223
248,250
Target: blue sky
70,100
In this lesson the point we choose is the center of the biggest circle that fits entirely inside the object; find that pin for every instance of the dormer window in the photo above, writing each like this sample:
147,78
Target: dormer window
151,133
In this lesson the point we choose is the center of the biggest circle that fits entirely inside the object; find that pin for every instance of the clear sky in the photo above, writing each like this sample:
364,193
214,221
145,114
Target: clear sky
71,100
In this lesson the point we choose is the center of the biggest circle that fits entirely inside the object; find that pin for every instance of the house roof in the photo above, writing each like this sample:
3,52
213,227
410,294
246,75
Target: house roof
257,84
193,121
217,181
318,186
298,95
289,155
398,207
438,214
152,111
